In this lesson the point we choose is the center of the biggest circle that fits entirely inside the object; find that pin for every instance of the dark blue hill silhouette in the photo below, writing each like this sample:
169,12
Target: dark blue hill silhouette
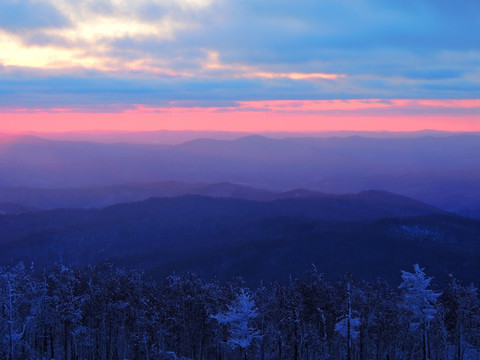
11,208
254,239
101,196
441,170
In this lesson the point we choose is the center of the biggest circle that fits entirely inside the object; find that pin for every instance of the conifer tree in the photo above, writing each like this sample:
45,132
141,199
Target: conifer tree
420,301
238,319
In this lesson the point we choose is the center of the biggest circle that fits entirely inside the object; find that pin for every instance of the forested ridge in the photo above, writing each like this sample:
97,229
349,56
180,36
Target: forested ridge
105,312
253,239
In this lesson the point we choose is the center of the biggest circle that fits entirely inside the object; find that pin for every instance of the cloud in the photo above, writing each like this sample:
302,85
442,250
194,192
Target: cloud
283,31
152,11
79,87
30,15
93,52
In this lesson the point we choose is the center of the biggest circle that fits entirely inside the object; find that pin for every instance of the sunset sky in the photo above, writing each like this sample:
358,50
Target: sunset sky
239,65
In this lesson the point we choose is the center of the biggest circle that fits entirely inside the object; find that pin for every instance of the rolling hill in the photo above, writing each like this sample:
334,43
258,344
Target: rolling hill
368,234
441,170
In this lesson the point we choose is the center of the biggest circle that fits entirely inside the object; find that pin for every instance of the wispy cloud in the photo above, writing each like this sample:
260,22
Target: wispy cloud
66,54
25,15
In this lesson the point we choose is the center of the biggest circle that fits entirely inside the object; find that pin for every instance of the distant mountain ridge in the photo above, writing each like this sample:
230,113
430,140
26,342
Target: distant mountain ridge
15,209
370,233
99,197
173,137
441,170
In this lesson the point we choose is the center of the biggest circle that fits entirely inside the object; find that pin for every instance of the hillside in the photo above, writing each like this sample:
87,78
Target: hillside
102,196
11,208
440,170
253,239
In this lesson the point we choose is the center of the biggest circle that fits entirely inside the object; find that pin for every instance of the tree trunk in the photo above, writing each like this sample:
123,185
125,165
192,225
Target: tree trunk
262,349
425,343
279,349
458,336
10,318
52,344
349,324
295,349
65,341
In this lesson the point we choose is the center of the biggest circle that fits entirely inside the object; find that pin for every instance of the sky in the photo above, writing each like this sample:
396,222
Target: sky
249,65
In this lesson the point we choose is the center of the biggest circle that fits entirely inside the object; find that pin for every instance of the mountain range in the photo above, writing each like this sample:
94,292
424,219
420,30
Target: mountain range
257,207
34,199
368,234
440,170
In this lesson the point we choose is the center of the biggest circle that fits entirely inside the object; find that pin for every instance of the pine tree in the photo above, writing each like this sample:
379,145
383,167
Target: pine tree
17,296
238,319
420,300
348,324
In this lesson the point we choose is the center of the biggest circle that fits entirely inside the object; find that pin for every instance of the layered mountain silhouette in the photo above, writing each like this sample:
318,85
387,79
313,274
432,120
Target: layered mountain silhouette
226,208
441,170
98,197
11,208
369,234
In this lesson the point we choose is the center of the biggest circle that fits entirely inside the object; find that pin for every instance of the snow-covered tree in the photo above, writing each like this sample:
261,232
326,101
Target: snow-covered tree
238,318
420,301
103,312
462,321
17,296
348,324
64,297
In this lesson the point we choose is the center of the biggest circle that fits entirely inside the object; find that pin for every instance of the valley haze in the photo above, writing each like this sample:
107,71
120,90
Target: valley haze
75,196
441,169
239,180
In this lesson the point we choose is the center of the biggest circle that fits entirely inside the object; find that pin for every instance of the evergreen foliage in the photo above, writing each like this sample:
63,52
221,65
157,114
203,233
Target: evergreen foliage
106,313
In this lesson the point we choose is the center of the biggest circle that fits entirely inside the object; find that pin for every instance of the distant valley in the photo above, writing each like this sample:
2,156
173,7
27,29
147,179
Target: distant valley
242,207
369,234
443,171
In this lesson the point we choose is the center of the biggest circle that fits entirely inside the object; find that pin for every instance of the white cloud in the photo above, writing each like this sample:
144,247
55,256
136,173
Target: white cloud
242,49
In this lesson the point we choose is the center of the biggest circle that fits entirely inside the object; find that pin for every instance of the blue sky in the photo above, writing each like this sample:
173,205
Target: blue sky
121,54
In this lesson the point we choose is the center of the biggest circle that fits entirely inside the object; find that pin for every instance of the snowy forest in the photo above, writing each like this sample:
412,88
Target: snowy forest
104,312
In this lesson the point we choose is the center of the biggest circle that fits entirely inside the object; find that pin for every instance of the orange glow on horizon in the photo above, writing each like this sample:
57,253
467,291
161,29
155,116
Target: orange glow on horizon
296,75
259,116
